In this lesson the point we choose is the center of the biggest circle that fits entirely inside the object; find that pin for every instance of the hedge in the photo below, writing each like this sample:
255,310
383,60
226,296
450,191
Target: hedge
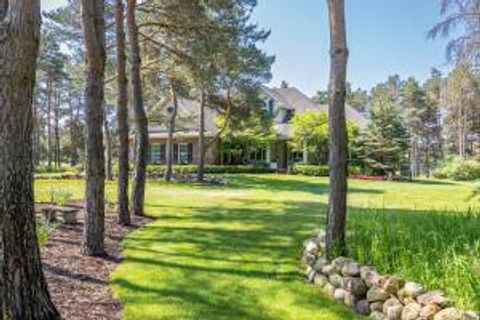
310,170
156,171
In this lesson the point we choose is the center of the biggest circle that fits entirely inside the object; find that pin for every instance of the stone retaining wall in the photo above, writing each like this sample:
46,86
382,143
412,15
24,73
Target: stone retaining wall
381,297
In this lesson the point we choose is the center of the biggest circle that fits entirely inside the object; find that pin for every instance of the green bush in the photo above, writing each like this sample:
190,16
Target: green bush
323,170
310,170
458,169
158,171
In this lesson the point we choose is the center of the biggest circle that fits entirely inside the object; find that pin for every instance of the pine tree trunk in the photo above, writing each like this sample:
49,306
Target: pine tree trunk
201,141
73,143
141,124
337,203
122,118
56,114
23,290
49,122
171,131
94,33
108,145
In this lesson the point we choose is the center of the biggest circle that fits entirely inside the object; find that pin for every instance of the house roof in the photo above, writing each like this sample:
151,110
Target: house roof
296,100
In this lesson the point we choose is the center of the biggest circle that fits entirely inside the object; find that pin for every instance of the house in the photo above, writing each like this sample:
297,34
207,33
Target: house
283,103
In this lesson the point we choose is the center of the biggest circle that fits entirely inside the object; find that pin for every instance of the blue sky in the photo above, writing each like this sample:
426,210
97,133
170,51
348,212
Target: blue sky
385,37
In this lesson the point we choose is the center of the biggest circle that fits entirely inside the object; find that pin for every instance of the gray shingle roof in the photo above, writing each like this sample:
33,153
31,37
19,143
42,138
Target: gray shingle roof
296,100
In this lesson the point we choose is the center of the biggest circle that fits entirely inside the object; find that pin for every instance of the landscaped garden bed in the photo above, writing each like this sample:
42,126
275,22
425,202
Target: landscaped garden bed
79,284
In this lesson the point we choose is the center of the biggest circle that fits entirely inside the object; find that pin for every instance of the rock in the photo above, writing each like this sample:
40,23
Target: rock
355,286
377,294
362,307
311,246
411,311
392,284
319,234
448,314
376,306
320,280
434,297
377,316
351,269
395,312
329,290
369,275
309,259
340,262
390,303
350,300
413,289
311,274
429,311
328,270
320,263
470,315
339,295
336,280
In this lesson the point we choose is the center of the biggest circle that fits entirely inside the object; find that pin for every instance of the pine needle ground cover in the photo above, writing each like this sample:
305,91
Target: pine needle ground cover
233,252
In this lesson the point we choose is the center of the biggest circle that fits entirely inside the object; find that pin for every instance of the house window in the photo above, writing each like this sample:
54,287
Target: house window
296,156
183,153
288,116
258,155
157,153
271,106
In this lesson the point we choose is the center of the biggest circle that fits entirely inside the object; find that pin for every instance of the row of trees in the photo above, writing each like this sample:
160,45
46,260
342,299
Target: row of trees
175,49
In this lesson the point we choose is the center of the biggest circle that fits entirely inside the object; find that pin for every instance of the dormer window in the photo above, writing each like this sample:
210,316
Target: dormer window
288,115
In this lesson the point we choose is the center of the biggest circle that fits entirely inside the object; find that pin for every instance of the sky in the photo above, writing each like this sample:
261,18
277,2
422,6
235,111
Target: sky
385,37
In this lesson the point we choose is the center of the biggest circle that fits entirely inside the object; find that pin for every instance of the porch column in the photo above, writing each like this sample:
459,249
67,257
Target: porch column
305,153
269,154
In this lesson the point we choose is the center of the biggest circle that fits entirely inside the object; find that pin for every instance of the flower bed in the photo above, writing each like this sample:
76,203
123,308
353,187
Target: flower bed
371,294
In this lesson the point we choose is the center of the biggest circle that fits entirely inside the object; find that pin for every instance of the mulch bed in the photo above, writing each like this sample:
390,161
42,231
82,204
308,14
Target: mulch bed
79,284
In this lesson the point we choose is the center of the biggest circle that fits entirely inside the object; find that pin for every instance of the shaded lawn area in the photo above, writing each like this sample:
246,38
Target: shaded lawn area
232,252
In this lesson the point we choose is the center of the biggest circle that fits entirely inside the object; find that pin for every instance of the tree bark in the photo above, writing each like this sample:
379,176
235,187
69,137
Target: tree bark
108,145
23,290
49,122
56,114
201,140
94,34
171,130
73,130
141,123
122,117
337,203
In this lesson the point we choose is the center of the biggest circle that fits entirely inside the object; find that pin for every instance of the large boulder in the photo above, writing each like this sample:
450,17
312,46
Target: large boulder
449,314
434,297
355,286
329,290
339,295
311,246
413,289
411,311
429,311
395,312
370,276
362,307
320,263
320,280
350,300
340,262
470,315
351,269
375,315
377,294
336,280
390,303
392,284
328,270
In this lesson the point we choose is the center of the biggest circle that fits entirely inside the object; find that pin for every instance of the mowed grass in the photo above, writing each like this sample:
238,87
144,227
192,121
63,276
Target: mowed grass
233,252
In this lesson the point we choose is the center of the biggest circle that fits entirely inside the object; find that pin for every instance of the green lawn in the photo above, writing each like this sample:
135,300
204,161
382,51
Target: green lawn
233,252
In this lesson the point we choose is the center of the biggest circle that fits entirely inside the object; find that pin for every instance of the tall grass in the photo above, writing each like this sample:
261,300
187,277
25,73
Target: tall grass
438,249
